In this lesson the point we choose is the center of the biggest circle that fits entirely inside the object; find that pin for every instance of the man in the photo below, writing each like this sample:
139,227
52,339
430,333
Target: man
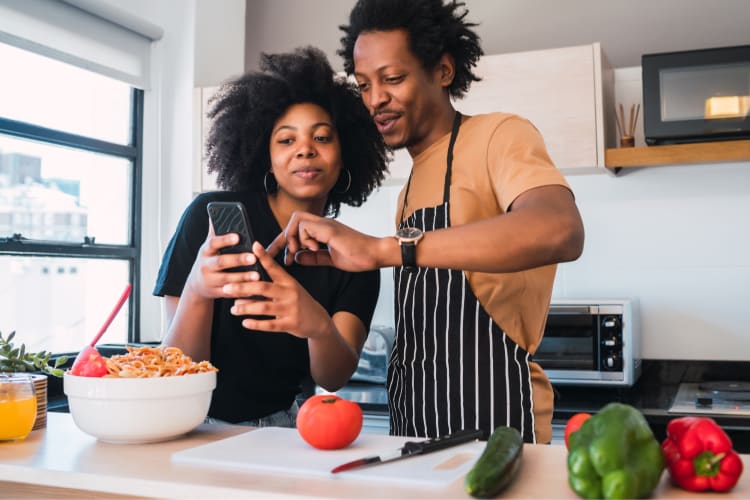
482,221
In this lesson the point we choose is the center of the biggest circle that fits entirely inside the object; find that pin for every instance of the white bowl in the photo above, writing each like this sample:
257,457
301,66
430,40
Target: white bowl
139,410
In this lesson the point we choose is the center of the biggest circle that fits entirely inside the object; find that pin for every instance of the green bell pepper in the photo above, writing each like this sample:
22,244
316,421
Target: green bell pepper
614,455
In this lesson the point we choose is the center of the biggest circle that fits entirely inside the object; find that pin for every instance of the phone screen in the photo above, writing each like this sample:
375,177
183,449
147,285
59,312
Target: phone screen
230,217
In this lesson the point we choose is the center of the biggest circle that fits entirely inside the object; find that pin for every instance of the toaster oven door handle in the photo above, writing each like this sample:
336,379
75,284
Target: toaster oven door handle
571,310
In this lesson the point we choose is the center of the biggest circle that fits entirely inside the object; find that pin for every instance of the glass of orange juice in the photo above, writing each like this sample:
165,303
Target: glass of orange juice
17,406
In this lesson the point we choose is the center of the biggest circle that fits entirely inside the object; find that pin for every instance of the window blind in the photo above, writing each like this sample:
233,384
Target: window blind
66,32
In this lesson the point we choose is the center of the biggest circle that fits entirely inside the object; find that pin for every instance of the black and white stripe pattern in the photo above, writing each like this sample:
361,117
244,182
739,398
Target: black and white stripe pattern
451,366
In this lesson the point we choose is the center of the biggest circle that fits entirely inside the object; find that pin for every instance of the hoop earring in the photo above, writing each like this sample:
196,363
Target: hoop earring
348,182
265,183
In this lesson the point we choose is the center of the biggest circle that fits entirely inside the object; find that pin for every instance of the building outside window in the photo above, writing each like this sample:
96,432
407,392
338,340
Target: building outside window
70,169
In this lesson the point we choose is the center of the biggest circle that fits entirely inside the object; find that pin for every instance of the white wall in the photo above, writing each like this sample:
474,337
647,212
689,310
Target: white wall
677,238
219,41
281,25
626,29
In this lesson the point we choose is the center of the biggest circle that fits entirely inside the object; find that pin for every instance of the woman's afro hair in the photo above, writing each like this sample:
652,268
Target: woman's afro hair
434,28
244,110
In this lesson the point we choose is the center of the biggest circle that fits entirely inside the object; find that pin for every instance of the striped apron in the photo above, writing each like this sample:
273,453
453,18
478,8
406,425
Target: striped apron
451,366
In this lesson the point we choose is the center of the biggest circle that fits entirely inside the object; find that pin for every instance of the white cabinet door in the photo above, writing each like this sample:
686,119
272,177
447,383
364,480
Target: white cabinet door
565,92
202,180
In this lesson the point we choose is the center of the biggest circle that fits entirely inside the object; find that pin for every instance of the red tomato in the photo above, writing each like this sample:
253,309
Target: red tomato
328,422
89,363
574,423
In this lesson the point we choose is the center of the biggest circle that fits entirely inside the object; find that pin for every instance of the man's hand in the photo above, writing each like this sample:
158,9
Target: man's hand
314,241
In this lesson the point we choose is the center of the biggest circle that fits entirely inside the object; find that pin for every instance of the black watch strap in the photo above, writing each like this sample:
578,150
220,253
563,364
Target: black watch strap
409,254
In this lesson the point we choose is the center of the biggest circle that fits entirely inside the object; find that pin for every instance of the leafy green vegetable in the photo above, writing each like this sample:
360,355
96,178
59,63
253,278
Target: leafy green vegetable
16,359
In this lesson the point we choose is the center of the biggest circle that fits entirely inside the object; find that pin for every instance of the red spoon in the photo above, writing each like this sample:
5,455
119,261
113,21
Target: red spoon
89,363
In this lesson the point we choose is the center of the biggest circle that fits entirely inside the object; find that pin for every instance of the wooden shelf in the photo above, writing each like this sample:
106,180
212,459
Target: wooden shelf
674,154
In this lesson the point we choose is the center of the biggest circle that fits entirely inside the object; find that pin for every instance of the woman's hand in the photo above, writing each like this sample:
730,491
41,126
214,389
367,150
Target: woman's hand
190,315
290,306
334,343
209,273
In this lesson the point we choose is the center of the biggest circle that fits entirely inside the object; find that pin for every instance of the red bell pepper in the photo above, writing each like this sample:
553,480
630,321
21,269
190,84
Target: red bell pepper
699,455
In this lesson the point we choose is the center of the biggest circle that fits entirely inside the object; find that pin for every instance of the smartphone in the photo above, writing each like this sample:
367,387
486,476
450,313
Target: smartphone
231,217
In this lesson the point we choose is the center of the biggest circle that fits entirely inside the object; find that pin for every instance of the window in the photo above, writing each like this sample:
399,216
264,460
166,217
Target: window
70,153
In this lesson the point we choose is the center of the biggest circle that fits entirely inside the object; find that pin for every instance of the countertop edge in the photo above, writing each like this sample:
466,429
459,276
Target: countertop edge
112,484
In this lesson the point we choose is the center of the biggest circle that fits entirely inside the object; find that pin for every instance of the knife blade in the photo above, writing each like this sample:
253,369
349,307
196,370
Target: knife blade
412,448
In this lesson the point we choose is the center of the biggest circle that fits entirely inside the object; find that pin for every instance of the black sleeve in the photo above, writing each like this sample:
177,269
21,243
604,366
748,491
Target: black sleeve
183,248
359,295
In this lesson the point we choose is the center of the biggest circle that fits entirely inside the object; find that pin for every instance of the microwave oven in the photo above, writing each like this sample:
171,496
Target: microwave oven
591,342
696,95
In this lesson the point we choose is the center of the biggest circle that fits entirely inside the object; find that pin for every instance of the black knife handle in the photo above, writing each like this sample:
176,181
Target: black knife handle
442,442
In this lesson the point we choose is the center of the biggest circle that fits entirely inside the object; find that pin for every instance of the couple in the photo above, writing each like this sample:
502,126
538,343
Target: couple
481,223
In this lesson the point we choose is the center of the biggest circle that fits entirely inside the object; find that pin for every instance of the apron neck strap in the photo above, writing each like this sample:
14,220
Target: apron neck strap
449,161
449,158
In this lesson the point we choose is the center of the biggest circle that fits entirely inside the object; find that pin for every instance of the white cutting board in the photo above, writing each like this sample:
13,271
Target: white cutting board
282,450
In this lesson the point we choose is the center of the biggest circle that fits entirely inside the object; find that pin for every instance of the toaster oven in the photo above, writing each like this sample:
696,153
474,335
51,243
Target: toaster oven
591,342
586,342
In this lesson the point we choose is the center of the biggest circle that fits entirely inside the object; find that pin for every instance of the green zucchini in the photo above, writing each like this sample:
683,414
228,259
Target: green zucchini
497,466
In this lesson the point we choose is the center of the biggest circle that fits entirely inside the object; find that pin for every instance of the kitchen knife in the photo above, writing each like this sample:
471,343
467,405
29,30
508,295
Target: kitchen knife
412,448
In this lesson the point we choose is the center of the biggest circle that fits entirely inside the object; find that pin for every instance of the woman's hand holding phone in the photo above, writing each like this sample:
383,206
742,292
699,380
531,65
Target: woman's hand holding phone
288,306
210,270
267,297
229,217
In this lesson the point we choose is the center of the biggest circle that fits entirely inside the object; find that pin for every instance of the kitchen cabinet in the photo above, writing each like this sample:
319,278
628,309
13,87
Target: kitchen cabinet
567,94
202,180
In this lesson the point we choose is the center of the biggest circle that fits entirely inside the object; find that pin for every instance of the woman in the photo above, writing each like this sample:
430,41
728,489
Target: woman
288,138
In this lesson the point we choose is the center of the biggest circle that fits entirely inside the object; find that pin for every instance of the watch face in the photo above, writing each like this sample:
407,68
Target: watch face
409,233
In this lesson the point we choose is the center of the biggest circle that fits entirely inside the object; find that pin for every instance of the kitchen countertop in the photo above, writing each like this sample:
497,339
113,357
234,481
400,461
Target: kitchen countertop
63,462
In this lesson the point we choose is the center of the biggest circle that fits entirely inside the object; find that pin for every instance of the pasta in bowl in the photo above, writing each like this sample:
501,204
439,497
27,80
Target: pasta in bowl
149,394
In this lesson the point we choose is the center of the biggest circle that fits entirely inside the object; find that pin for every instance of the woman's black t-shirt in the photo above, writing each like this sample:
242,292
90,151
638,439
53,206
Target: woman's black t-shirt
259,372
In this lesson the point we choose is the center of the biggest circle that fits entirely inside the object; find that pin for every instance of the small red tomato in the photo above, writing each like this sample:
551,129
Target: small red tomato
574,423
89,363
329,422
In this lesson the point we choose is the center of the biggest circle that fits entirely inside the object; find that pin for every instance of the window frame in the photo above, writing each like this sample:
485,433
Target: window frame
91,250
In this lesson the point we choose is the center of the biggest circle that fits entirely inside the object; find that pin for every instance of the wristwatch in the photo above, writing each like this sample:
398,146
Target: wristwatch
408,237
